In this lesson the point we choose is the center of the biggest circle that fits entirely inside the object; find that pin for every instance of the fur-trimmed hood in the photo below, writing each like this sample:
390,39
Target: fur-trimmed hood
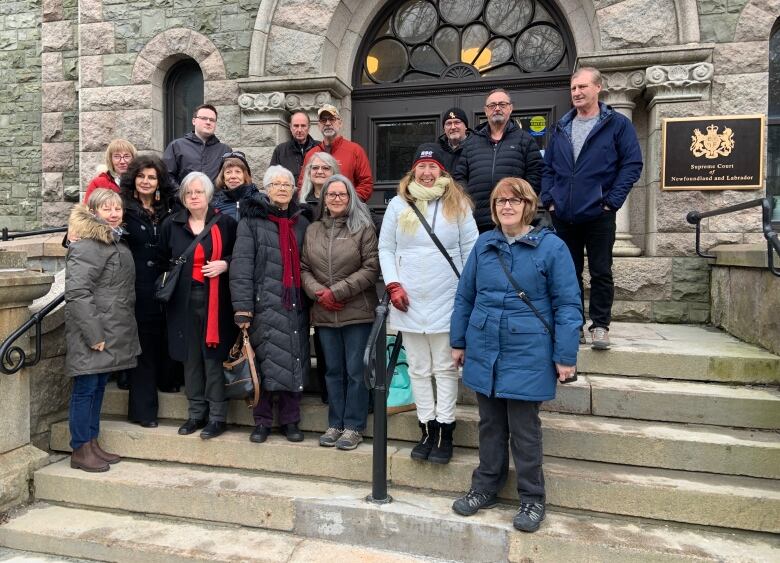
84,225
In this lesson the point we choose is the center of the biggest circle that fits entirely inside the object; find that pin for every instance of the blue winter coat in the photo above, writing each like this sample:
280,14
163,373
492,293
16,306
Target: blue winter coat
509,352
609,164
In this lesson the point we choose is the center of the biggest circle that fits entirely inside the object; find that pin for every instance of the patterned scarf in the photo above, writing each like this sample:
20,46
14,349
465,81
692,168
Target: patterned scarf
407,220
291,263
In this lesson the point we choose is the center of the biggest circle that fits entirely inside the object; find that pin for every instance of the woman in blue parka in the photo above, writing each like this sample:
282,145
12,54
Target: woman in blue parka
508,354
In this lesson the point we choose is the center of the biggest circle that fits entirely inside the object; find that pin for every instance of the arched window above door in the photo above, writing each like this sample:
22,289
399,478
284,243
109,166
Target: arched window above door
465,39
183,92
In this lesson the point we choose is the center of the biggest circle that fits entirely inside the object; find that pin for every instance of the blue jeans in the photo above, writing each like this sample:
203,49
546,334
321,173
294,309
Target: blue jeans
85,403
347,394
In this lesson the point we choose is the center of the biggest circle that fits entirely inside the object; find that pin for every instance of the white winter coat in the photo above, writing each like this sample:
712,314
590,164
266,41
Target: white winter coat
416,263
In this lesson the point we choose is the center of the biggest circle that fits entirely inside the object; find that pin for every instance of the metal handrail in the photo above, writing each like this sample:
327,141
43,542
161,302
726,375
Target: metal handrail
772,242
8,235
10,365
376,367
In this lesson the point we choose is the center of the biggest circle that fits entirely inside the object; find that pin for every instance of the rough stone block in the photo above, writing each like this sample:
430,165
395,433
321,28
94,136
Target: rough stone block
293,52
14,407
52,125
55,214
58,96
90,11
16,472
755,21
57,36
145,72
310,17
684,244
96,38
633,311
91,71
673,206
116,98
52,10
644,279
621,28
52,186
58,157
51,67
740,93
213,67
669,312
739,58
220,92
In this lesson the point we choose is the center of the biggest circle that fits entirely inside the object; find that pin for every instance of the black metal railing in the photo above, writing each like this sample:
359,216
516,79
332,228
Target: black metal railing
6,234
772,242
376,367
13,357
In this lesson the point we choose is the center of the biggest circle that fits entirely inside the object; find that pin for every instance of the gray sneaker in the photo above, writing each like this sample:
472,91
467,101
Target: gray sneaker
599,338
330,437
529,516
349,440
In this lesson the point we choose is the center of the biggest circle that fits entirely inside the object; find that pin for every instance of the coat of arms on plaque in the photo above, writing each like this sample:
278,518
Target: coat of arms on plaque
713,144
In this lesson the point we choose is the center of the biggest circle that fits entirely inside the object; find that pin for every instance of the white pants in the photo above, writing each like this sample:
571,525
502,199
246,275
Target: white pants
430,355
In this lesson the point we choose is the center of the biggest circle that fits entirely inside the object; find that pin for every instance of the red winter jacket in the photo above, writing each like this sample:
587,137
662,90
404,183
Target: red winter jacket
102,180
353,163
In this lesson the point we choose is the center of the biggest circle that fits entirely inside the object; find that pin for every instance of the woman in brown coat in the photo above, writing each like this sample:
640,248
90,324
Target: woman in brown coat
339,270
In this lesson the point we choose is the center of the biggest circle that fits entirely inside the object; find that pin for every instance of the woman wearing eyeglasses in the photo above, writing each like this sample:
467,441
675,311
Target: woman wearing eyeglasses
234,184
514,350
320,167
265,285
339,270
119,154
421,283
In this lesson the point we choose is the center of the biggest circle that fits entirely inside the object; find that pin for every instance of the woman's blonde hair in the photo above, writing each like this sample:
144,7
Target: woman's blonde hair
118,145
519,188
455,202
101,196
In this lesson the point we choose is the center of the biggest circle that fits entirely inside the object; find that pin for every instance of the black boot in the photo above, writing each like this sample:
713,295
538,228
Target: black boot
442,446
423,448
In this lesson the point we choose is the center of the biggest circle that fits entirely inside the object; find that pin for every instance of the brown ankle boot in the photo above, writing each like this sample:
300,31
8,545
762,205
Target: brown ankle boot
103,454
86,459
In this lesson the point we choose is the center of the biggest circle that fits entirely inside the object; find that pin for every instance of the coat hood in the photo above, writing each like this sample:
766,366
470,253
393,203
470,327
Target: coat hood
532,238
84,225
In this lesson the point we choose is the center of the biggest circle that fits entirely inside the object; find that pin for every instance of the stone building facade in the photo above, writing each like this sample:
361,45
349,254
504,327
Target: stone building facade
79,73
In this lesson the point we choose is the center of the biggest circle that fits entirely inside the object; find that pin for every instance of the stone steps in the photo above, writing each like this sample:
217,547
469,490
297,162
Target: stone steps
419,523
697,498
689,447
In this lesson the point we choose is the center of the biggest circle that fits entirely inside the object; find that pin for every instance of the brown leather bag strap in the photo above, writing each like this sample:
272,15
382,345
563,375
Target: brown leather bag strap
250,357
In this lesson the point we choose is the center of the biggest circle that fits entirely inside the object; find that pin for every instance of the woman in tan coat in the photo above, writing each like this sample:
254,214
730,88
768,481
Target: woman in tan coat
339,270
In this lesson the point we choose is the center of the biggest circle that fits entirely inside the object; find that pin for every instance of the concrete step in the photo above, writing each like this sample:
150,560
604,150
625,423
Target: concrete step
652,444
415,522
697,498
17,556
696,353
106,536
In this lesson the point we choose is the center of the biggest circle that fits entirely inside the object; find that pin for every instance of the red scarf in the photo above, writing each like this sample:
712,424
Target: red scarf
291,263
212,316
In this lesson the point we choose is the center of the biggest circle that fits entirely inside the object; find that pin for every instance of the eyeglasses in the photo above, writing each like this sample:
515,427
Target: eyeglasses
208,119
501,105
122,157
193,193
450,123
512,201
318,167
325,120
279,185
333,196
234,154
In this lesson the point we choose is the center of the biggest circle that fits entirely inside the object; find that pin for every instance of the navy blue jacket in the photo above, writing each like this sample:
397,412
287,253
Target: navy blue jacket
509,352
230,202
609,163
483,163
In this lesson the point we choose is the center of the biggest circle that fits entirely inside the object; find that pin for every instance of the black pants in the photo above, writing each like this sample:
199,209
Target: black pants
597,237
153,365
503,423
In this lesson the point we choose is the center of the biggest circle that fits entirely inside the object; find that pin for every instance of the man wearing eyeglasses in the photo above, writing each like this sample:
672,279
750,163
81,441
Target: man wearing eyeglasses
352,159
455,123
291,153
198,151
497,149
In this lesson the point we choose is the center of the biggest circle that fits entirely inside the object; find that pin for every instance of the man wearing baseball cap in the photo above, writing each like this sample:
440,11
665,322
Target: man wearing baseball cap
455,123
351,157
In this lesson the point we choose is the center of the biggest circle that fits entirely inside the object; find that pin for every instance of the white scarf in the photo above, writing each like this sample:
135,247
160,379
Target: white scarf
407,220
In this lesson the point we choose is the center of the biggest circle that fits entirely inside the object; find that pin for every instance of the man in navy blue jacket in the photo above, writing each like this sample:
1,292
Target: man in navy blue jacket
591,164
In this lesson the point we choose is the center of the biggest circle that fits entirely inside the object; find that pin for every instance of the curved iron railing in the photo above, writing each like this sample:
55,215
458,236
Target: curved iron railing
6,234
772,241
13,357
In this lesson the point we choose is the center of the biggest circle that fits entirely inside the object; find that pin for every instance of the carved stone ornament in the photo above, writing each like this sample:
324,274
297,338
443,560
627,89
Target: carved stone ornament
620,88
276,101
676,83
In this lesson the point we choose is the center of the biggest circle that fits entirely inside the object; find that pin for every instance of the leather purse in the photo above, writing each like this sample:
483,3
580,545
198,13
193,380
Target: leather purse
240,370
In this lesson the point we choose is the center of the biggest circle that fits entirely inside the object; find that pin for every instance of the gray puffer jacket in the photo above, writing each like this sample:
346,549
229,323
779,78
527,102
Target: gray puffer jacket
99,299
280,337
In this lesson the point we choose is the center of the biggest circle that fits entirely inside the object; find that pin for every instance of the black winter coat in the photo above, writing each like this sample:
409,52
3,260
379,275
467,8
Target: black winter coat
143,237
450,156
483,163
290,155
190,154
175,237
230,202
280,337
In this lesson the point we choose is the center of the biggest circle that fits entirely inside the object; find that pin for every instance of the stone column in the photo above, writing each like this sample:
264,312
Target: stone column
620,89
18,458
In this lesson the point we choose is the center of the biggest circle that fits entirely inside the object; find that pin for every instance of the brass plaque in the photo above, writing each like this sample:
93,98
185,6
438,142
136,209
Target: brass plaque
722,152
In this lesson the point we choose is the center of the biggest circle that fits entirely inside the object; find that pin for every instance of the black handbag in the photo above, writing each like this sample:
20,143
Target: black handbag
165,284
435,240
241,379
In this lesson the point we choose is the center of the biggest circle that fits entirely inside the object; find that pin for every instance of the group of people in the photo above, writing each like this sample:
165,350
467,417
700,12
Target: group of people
477,283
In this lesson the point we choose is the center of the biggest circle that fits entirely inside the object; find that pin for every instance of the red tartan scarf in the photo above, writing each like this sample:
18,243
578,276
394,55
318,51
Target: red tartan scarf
291,263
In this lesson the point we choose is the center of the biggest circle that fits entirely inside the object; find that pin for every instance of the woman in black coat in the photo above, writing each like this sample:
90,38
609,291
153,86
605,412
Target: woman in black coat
199,315
265,283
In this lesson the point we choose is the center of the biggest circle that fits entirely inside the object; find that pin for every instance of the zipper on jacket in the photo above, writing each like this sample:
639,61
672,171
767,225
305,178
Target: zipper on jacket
330,261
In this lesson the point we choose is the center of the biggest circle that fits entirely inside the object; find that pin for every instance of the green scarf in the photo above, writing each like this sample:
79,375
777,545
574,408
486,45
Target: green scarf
407,220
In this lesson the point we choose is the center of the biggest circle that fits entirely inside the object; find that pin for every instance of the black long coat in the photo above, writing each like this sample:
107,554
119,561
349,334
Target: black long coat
175,237
280,337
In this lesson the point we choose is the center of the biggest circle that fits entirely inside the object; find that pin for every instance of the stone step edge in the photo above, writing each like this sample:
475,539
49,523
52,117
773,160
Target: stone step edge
305,516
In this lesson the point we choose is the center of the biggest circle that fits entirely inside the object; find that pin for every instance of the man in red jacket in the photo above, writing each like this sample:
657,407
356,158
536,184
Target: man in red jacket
351,157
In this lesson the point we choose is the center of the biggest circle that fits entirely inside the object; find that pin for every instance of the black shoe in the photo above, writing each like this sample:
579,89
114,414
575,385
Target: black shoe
529,516
442,445
213,429
292,432
149,424
174,389
472,501
423,448
259,434
123,381
191,426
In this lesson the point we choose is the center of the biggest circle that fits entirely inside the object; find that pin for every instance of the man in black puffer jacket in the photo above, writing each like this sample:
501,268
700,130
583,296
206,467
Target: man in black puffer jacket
497,149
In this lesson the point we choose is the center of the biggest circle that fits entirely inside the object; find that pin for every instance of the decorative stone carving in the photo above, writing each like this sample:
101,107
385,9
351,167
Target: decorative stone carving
620,88
678,83
272,106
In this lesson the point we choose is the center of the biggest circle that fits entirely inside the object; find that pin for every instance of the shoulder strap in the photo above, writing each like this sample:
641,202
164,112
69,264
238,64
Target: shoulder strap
521,292
191,248
435,239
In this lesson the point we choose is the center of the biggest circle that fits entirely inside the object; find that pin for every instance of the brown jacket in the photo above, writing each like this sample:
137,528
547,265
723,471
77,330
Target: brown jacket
346,263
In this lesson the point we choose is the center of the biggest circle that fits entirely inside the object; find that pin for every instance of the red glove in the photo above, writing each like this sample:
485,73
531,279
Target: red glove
398,296
328,301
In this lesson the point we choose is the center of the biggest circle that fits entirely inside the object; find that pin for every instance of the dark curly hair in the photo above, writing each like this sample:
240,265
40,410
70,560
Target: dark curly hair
127,181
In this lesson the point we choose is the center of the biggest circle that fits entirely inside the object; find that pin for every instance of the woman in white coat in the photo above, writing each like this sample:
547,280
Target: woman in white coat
422,282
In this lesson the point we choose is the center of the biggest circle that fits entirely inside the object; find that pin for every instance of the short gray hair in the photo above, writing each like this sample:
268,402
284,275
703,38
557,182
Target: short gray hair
358,215
594,72
205,181
306,186
274,172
